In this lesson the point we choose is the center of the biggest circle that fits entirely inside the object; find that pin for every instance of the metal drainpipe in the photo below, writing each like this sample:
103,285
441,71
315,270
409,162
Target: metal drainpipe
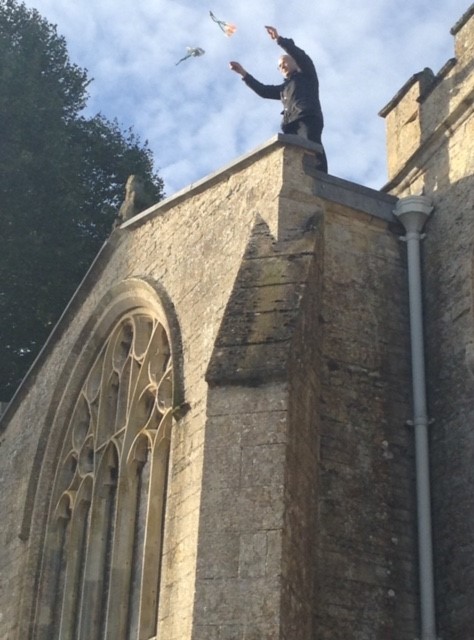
413,211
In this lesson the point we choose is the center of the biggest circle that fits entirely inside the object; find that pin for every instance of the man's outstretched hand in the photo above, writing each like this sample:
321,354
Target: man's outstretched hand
238,68
272,32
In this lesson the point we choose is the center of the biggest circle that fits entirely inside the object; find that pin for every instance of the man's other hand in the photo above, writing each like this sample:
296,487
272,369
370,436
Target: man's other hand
238,68
272,32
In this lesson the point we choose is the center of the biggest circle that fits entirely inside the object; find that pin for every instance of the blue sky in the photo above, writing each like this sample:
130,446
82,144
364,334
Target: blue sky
199,115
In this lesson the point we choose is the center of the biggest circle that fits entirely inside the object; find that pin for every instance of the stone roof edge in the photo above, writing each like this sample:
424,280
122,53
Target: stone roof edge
454,119
337,185
435,78
241,162
354,196
462,20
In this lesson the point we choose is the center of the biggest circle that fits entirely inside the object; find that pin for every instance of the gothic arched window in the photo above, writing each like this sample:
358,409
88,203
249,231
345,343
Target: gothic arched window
102,554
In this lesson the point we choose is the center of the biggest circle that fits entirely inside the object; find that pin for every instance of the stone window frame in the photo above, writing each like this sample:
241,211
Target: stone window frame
117,460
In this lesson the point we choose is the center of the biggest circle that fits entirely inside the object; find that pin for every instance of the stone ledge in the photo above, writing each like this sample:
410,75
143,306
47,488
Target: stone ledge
335,189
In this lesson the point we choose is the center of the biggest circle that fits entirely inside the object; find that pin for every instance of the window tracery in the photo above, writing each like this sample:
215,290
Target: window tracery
102,559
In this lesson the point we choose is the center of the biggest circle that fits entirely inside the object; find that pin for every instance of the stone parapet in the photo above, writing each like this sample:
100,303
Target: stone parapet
429,107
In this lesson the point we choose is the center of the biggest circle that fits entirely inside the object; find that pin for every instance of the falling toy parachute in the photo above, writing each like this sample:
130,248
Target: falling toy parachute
193,52
226,27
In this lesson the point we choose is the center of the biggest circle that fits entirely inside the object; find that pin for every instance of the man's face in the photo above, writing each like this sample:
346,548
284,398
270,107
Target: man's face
287,65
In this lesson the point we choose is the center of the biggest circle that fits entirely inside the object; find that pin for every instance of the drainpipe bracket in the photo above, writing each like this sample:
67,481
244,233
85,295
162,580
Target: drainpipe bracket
419,422
420,236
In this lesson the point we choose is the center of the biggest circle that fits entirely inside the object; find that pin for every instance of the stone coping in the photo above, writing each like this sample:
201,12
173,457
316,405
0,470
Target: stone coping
336,189
241,162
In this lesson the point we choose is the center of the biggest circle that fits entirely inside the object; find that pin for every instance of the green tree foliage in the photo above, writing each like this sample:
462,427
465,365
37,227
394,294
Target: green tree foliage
62,180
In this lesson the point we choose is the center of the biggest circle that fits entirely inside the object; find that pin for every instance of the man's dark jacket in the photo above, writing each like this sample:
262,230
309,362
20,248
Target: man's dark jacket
299,92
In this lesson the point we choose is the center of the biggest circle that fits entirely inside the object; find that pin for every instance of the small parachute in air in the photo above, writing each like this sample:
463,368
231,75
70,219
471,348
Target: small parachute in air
228,28
193,52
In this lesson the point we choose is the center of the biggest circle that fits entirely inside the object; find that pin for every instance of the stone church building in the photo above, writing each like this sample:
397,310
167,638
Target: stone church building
255,418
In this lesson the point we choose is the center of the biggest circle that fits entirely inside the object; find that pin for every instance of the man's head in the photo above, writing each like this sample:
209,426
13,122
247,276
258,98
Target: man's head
287,65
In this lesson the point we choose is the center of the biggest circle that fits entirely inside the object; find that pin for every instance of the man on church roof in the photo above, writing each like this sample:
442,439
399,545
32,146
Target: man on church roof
299,93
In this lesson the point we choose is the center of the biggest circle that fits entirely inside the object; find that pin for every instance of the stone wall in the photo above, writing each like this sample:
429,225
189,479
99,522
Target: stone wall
193,250
443,169
365,577
290,485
